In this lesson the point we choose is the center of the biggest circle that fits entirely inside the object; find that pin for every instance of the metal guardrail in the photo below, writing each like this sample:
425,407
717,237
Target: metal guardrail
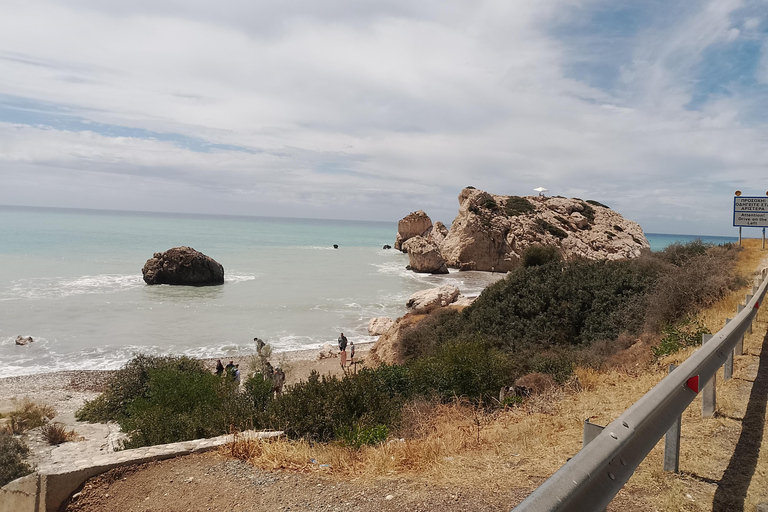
591,479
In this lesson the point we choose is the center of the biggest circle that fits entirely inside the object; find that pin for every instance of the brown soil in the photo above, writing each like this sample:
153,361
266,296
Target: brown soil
212,481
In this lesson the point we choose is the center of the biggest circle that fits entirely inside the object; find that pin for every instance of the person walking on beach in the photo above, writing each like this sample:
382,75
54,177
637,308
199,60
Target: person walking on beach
343,349
351,353
219,368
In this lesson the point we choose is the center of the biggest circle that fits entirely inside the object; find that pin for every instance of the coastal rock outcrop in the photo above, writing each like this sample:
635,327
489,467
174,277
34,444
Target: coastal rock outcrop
183,266
379,325
424,256
491,232
414,224
433,297
24,340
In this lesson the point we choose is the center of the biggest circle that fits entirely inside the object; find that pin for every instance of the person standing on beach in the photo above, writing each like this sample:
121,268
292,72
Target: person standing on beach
343,349
351,353
219,368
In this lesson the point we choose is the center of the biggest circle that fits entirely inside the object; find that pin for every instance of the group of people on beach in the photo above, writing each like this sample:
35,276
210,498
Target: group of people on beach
232,370
343,351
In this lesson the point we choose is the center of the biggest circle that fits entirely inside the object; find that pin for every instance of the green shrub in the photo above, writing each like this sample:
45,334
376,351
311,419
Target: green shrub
180,406
696,276
357,436
258,389
12,454
595,203
518,206
588,211
490,204
551,229
131,382
676,337
559,366
473,369
321,407
610,235
474,209
470,187
538,254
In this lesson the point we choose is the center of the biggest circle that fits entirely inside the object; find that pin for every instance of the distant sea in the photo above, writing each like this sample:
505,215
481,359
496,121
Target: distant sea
72,280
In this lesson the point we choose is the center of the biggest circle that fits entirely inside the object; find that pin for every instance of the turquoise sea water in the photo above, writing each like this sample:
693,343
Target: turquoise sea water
72,280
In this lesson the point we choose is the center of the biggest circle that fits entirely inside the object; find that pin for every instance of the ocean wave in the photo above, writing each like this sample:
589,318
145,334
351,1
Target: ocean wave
58,287
234,277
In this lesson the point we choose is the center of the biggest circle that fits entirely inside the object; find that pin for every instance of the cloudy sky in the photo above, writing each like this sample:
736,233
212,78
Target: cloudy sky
358,109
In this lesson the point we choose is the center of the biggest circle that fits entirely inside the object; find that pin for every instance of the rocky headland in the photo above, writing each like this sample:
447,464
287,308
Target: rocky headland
491,232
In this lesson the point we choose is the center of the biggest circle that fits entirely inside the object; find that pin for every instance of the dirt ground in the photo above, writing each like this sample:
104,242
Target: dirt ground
212,481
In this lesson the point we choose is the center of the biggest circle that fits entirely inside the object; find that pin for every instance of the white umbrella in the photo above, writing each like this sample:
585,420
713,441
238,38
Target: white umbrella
541,190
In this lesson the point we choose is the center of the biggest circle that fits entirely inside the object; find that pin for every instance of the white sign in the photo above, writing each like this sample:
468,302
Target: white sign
750,212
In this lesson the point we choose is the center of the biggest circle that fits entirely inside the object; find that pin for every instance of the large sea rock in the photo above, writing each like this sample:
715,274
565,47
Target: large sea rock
433,297
492,232
424,256
414,224
183,266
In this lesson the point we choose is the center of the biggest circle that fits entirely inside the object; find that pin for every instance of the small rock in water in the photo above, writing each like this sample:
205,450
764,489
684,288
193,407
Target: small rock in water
335,246
24,340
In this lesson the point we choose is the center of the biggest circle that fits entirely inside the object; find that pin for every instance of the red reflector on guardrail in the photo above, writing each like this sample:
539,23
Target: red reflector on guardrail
757,305
693,383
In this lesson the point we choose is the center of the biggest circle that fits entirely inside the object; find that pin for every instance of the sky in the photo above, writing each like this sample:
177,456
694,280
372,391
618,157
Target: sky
360,109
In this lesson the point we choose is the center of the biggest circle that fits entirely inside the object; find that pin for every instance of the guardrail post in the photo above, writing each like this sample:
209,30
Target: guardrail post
728,366
672,443
709,391
738,350
749,298
591,431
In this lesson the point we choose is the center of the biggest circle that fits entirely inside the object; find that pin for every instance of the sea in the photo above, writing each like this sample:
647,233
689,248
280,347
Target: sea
71,279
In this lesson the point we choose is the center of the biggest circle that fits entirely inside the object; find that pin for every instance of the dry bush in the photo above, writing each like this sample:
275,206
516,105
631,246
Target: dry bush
28,415
55,433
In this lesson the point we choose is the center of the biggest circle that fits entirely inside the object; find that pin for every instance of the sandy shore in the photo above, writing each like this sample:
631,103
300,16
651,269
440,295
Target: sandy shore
67,391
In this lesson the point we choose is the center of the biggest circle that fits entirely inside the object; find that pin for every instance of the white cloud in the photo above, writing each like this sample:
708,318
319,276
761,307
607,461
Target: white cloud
386,107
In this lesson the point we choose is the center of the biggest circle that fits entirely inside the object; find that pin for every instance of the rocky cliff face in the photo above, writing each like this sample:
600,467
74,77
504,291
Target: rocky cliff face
491,232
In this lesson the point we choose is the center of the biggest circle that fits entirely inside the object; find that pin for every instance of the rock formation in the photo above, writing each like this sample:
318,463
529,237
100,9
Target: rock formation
414,224
183,266
424,256
24,340
492,232
434,297
380,325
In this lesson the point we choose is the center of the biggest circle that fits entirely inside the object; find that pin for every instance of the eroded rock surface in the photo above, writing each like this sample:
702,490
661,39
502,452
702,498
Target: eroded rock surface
379,325
183,266
434,297
424,256
491,232
414,224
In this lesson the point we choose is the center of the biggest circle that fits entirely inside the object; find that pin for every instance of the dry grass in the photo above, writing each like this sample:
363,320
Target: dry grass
457,445
55,434
28,415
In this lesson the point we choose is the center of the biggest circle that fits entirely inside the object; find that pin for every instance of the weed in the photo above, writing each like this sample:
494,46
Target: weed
55,433
538,254
596,203
518,206
29,415
686,333
12,453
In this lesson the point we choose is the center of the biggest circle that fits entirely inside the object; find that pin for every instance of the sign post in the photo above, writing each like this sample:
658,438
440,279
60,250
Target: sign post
751,212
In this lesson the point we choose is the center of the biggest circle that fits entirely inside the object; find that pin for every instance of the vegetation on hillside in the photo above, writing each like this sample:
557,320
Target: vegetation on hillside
545,316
